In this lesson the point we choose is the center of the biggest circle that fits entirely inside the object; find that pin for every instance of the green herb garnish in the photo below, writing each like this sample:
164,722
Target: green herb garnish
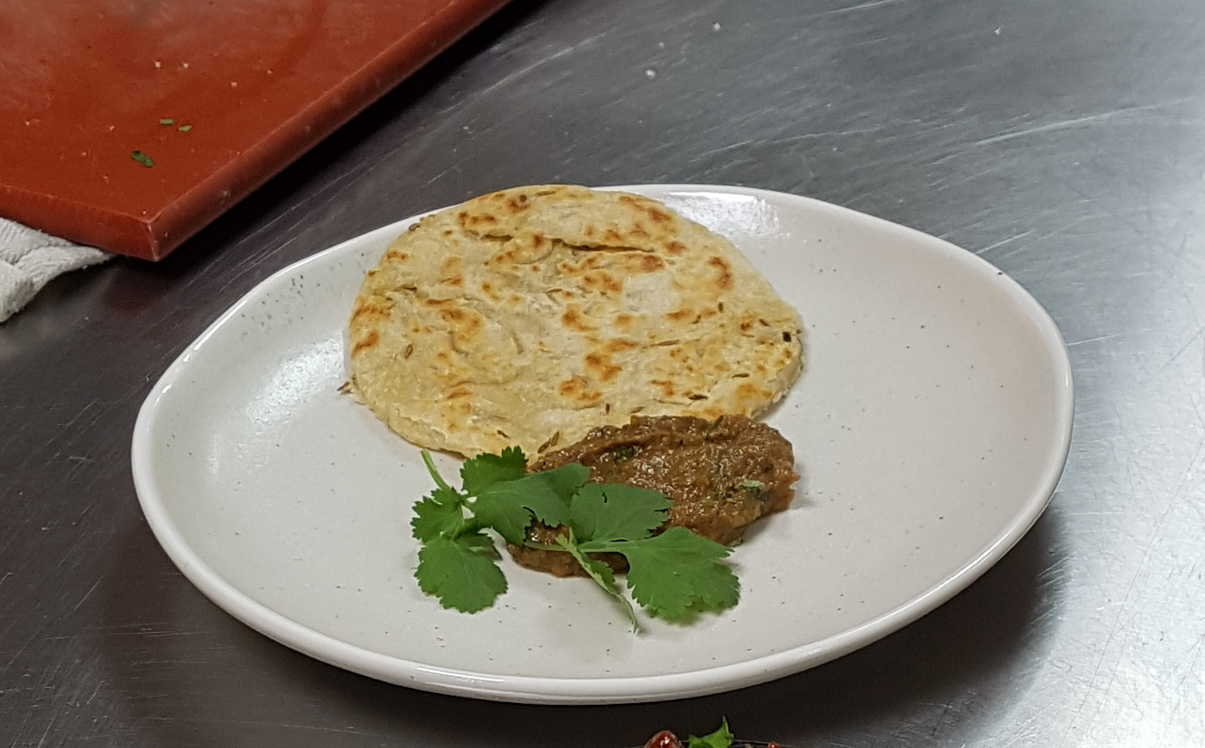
721,738
167,121
673,575
753,485
184,128
142,158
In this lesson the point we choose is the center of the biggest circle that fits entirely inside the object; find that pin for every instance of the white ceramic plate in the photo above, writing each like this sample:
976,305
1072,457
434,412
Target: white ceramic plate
931,425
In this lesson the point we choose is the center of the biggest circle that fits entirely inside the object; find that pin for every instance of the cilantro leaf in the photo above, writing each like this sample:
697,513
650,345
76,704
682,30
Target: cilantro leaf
508,506
678,573
461,573
721,738
440,513
566,479
612,511
485,470
478,542
601,573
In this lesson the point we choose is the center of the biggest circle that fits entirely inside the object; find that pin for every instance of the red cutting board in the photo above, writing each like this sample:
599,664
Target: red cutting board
242,87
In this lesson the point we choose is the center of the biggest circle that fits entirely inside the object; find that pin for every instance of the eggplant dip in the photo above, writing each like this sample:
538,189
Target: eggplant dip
720,476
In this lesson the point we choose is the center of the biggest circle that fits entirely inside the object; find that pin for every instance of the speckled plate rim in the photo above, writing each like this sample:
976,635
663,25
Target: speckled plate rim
529,689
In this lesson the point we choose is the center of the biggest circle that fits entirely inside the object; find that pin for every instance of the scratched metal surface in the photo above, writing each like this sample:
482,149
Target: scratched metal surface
1064,140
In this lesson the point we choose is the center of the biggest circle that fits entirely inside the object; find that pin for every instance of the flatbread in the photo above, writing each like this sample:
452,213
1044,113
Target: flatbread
531,315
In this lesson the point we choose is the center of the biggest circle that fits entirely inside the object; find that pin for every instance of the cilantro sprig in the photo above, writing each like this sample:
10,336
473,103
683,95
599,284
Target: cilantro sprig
673,575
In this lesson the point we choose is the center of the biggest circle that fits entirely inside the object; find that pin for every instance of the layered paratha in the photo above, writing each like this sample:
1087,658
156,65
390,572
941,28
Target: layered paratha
532,315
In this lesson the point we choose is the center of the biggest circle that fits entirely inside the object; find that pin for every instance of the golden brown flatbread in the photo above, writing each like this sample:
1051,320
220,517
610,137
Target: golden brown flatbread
531,315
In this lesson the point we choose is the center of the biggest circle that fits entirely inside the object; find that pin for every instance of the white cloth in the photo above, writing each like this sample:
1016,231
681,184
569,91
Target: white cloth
29,259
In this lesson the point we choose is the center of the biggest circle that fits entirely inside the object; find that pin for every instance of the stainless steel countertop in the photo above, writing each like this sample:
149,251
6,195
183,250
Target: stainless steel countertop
1063,141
